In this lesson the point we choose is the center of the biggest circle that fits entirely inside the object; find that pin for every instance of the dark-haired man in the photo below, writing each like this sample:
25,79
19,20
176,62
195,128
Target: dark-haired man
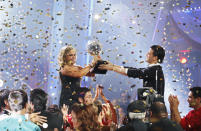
192,121
158,111
38,99
152,75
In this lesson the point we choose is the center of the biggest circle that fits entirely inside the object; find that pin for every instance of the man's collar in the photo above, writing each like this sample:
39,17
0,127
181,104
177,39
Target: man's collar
153,64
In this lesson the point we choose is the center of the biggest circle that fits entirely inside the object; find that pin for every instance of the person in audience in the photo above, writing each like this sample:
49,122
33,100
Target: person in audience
5,109
85,96
122,104
165,124
136,112
109,117
4,106
85,118
158,111
108,113
71,74
192,121
38,99
18,101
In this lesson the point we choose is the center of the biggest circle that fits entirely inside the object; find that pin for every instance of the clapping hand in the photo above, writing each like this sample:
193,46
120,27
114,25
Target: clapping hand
173,100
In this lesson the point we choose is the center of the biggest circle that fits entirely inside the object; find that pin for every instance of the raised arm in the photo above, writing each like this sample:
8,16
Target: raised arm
174,103
114,115
78,71
112,67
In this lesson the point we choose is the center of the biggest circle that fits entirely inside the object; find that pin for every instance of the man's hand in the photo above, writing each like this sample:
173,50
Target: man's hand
108,66
174,103
173,100
37,119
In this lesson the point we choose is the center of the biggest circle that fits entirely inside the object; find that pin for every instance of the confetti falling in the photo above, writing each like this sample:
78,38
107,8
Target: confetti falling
31,35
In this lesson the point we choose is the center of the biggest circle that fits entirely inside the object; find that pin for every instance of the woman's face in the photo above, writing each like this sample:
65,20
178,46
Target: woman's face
76,123
88,98
71,57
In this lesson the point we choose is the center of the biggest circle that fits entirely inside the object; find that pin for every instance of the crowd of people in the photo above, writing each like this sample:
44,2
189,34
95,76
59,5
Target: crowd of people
90,114
78,110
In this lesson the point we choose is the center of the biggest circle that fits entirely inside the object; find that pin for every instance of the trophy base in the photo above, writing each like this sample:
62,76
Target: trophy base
98,71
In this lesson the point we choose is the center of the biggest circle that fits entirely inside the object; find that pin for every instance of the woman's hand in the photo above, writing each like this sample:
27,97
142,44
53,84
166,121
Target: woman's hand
95,60
64,111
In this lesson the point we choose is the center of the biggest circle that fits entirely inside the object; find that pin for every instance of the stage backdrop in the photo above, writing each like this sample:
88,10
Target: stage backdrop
33,31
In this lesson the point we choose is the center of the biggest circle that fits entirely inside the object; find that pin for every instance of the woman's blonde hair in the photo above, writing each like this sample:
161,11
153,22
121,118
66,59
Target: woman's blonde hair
62,55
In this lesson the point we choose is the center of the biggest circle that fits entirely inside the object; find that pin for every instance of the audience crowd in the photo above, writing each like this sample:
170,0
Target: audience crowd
18,113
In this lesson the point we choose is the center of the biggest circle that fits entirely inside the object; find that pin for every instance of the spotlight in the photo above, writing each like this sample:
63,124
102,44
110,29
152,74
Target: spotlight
96,17
133,22
183,60
162,2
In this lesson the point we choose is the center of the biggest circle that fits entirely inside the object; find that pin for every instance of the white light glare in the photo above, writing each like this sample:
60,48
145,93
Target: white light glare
162,2
133,22
1,82
96,17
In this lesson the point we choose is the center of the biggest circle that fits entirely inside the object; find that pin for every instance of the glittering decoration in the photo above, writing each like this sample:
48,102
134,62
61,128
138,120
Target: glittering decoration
94,47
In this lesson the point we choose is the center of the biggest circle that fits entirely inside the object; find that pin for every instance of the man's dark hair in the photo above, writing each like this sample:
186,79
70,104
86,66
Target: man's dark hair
196,91
159,52
157,108
17,100
4,93
38,98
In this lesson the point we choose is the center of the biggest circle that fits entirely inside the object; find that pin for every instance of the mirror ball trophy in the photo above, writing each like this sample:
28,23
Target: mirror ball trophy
94,49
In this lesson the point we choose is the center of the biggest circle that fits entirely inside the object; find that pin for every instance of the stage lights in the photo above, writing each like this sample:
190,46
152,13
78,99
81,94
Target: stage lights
183,60
187,10
183,55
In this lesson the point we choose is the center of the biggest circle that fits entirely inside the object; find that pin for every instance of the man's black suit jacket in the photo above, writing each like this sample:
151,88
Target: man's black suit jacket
149,77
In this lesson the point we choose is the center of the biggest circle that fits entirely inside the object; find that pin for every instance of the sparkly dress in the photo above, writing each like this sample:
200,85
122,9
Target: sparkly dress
70,88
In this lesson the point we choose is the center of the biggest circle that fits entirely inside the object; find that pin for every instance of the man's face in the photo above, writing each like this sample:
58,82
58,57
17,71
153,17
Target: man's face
150,58
88,98
191,100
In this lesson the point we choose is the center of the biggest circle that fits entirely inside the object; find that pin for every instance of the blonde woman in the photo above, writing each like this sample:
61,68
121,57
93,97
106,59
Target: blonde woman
71,74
